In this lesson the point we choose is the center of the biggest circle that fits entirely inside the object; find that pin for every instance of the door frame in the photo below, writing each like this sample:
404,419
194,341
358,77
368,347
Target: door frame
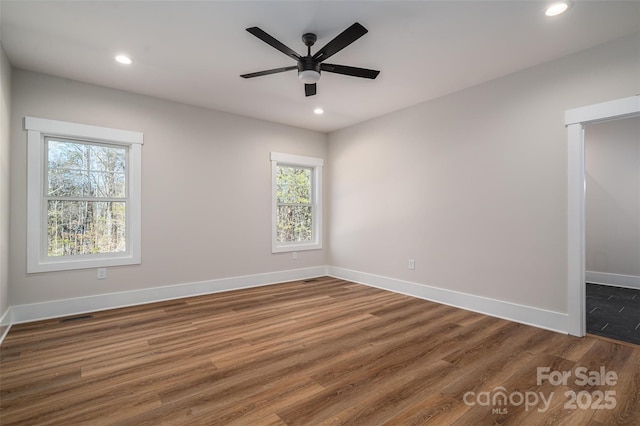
576,120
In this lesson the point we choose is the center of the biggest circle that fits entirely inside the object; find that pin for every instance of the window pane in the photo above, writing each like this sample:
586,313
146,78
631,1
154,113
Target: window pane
294,224
107,184
85,227
107,171
83,170
293,185
67,154
68,183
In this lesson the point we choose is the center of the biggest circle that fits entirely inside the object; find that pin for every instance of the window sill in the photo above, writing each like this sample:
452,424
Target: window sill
86,263
296,247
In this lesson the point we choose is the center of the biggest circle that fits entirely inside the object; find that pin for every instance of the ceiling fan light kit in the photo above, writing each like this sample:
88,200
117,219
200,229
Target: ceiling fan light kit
310,66
309,76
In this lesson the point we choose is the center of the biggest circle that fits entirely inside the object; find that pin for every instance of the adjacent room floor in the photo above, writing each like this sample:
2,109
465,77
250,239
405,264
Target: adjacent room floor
324,352
613,312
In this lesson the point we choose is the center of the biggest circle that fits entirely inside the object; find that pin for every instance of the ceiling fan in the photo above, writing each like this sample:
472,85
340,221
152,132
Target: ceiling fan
309,67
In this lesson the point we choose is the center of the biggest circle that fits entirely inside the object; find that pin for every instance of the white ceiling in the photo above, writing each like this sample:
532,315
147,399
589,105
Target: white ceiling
193,52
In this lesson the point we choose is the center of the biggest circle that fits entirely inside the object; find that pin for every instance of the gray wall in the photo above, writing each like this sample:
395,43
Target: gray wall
473,185
206,189
5,102
612,160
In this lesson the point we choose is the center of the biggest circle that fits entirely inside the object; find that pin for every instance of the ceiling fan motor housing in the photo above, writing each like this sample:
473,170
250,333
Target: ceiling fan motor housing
307,63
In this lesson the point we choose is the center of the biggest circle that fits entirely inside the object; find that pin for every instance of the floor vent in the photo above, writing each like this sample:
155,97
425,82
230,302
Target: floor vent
310,280
78,318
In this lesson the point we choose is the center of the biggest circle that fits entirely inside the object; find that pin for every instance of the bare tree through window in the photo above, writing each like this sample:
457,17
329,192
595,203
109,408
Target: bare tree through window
86,198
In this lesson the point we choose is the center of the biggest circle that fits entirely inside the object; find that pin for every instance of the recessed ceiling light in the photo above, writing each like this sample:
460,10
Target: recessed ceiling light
318,111
124,59
556,9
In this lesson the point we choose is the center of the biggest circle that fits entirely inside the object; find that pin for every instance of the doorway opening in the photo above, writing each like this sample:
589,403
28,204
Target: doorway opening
576,120
612,229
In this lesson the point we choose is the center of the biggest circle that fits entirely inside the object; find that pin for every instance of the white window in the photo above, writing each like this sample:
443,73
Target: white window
83,196
297,202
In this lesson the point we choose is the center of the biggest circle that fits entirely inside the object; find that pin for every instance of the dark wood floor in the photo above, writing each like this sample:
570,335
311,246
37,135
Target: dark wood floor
322,352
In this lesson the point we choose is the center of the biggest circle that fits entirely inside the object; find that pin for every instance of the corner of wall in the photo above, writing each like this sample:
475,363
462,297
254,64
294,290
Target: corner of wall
5,115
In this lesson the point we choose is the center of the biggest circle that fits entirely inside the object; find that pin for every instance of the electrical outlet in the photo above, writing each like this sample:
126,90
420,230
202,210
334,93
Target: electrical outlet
102,273
412,264
294,255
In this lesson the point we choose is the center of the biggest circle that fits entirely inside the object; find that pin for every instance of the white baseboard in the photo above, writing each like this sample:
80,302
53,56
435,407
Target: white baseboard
617,280
536,317
541,318
82,305
5,324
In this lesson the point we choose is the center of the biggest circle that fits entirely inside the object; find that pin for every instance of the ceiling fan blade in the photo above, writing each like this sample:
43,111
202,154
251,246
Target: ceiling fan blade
273,42
343,39
310,89
267,72
352,71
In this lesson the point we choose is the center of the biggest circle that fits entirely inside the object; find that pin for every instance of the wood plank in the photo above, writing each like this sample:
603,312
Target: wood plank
299,353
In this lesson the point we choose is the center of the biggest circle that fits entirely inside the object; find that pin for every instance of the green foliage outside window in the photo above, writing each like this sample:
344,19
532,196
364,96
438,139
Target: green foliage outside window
294,204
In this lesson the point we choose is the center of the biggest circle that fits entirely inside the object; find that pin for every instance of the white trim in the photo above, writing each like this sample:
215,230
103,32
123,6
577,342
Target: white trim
576,120
278,158
576,297
37,130
616,280
5,324
296,160
618,108
82,305
529,315
34,202
135,204
84,131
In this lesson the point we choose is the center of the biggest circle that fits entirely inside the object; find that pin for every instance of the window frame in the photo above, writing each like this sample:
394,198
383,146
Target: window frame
316,165
37,130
